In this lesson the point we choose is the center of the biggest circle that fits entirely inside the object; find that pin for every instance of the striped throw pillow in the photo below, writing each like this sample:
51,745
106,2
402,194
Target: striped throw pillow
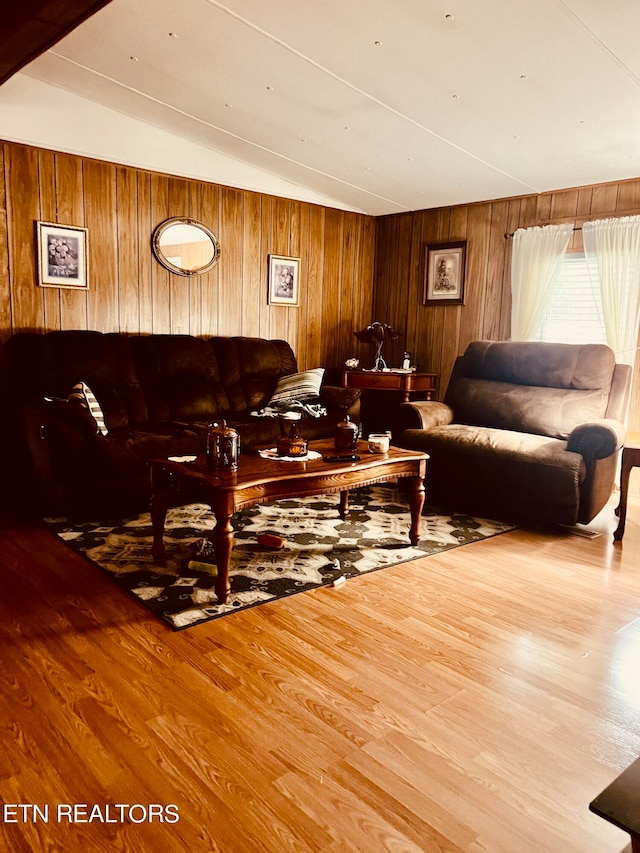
298,386
82,394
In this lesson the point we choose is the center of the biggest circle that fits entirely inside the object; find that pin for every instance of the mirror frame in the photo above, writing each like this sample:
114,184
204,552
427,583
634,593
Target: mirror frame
166,263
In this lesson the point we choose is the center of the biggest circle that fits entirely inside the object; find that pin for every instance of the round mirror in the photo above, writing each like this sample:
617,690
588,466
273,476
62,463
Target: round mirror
185,246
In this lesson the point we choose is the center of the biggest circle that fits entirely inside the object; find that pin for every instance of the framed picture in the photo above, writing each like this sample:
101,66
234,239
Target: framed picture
62,256
284,276
444,273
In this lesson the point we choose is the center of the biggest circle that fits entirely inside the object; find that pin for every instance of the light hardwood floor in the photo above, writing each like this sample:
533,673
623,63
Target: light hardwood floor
472,701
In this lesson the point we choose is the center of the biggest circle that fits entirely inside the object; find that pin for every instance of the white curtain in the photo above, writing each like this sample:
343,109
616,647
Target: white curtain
614,246
535,266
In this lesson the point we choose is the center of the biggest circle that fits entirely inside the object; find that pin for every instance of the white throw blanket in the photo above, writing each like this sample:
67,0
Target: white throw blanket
311,410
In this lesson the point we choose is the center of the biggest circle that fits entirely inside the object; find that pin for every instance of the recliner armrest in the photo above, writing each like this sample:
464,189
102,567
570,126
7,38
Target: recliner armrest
597,439
423,414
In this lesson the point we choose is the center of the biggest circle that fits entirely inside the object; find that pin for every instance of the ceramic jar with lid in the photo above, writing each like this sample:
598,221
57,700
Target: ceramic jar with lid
346,436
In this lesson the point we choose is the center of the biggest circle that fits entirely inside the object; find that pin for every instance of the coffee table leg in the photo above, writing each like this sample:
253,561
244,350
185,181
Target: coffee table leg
223,545
416,502
344,505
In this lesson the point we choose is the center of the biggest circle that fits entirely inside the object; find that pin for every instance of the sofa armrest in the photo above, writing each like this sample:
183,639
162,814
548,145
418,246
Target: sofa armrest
597,439
72,414
47,423
339,399
423,414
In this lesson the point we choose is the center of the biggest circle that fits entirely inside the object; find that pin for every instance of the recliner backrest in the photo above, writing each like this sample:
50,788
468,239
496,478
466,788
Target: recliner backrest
537,387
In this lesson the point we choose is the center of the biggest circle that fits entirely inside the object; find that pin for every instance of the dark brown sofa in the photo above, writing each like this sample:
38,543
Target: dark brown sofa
158,393
528,432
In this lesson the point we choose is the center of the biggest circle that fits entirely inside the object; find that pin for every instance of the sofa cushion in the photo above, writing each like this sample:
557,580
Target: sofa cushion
82,394
494,443
180,378
298,386
130,451
250,369
253,430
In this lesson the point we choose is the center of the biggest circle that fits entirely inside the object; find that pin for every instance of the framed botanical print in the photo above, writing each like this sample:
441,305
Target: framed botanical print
283,280
444,273
62,255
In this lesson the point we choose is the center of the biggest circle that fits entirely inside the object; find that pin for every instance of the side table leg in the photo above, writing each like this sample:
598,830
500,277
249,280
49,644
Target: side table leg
223,545
416,502
344,505
622,506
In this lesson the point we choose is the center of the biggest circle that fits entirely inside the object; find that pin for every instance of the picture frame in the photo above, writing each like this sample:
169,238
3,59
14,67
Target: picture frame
62,255
444,276
284,280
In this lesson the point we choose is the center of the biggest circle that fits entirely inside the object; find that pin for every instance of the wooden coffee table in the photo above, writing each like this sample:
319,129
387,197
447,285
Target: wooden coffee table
259,480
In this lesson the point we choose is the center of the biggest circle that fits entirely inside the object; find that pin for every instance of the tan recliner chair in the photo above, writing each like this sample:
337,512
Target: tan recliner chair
528,432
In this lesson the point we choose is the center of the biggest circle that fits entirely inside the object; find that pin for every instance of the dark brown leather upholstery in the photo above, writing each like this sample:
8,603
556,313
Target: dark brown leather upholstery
158,393
528,432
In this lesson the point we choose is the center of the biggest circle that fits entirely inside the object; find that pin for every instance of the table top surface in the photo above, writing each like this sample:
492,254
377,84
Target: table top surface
255,469
392,371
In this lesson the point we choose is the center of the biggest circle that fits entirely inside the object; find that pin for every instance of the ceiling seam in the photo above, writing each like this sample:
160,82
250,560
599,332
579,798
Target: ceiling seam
600,42
219,129
366,95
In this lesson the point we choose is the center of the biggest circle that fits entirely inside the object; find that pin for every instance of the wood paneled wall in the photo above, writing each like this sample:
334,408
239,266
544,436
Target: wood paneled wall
130,292
437,334
341,288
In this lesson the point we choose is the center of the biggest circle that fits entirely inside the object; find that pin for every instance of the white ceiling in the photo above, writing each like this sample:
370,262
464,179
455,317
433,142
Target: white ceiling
383,105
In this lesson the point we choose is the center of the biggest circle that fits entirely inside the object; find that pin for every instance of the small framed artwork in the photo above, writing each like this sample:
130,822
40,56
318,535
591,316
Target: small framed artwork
444,273
284,276
62,256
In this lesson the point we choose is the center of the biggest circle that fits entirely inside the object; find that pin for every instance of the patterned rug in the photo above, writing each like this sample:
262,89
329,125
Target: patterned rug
319,548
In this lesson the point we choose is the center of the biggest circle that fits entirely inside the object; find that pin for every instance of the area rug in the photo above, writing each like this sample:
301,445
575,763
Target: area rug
319,549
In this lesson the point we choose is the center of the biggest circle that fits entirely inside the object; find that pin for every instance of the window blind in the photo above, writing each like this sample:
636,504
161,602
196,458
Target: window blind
574,315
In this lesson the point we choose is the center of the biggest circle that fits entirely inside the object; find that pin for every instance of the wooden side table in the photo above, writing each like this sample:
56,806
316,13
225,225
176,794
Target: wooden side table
390,380
619,803
630,459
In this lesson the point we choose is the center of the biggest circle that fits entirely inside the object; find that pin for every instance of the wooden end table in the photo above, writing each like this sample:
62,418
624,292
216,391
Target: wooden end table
391,380
630,459
259,480
619,803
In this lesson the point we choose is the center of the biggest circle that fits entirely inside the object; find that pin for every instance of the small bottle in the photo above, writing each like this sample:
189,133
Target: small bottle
292,445
406,361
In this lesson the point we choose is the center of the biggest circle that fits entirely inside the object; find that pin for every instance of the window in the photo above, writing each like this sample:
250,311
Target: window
574,315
